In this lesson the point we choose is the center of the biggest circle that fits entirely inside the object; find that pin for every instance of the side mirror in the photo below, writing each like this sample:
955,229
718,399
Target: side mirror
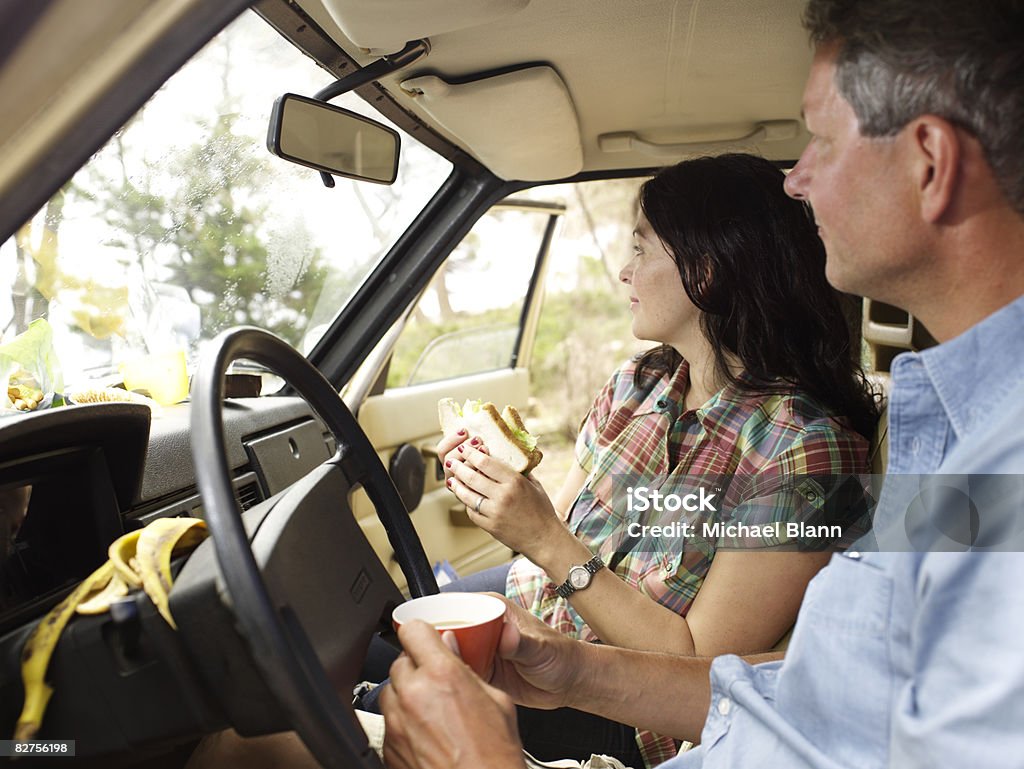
333,140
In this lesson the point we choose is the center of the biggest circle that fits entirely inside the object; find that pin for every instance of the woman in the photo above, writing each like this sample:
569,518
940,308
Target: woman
752,402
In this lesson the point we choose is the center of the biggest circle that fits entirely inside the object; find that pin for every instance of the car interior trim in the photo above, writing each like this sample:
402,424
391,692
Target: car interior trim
388,24
763,131
521,124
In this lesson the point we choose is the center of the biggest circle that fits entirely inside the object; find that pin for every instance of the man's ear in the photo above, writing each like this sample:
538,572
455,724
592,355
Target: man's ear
938,150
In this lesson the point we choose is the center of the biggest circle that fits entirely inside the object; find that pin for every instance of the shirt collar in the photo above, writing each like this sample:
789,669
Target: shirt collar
722,414
727,410
670,397
974,371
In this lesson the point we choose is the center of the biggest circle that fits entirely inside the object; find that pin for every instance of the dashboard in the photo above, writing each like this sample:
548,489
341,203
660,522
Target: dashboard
74,479
126,679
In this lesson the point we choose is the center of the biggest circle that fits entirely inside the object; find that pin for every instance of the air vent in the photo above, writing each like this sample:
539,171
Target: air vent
249,495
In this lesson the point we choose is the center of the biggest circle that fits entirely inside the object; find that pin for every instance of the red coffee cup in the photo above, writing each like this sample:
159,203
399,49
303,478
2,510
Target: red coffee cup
474,618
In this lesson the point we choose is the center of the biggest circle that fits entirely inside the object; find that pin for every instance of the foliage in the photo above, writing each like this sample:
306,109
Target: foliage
420,332
220,251
583,335
206,233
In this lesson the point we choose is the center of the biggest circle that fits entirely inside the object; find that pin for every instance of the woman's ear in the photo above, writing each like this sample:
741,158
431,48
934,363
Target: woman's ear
937,147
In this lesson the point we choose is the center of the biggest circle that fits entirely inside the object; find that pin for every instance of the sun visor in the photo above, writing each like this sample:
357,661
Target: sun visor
387,25
522,125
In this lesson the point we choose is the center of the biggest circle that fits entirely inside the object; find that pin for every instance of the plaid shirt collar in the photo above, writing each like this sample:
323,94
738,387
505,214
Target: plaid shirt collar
721,416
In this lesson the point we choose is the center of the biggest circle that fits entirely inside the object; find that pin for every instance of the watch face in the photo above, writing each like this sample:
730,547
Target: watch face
579,577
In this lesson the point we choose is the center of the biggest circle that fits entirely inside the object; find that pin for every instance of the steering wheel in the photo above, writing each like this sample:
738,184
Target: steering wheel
281,646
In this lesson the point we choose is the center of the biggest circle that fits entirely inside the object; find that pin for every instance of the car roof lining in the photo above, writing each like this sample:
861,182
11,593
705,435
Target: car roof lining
668,71
384,26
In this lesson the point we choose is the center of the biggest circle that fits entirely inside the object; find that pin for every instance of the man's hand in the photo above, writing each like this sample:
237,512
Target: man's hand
439,714
536,665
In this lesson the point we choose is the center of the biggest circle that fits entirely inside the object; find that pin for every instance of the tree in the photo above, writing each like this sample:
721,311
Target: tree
36,280
220,251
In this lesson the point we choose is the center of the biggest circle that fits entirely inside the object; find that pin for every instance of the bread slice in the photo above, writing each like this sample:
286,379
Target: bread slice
504,434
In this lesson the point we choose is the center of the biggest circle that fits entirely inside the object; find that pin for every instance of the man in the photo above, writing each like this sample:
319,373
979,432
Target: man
905,659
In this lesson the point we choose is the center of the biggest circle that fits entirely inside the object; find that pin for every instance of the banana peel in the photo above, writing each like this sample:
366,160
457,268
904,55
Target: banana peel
98,602
35,657
138,559
122,555
157,544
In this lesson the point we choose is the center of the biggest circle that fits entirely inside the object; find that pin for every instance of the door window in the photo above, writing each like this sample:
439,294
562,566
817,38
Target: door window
470,317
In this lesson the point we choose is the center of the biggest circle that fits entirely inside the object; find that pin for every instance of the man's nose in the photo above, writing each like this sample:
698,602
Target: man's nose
795,184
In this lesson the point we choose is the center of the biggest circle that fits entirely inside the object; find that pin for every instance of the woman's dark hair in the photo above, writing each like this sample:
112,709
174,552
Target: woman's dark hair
751,261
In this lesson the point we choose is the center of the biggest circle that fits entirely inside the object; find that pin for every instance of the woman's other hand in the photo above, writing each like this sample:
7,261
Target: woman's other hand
447,450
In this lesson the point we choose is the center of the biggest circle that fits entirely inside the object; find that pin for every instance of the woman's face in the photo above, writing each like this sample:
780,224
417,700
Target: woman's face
662,312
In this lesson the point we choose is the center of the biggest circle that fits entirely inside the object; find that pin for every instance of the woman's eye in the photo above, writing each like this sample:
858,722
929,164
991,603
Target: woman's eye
637,250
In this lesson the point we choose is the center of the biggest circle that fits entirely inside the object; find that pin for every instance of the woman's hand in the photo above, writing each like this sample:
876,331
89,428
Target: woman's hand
447,449
511,507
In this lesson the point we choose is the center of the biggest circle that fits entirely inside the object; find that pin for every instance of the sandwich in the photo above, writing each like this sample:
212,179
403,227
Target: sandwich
504,433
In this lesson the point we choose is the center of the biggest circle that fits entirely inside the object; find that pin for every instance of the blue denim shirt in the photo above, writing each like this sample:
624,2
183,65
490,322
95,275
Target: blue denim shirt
909,660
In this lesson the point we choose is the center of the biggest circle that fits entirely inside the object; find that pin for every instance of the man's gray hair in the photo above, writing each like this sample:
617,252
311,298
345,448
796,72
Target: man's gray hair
961,60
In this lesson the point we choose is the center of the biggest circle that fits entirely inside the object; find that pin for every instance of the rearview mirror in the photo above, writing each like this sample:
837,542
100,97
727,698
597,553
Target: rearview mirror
319,135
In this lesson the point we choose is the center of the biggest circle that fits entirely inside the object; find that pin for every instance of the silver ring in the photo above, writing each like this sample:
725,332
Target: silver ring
476,507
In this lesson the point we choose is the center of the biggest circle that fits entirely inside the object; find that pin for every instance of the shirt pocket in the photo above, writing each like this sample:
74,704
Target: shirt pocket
658,568
670,568
633,450
839,661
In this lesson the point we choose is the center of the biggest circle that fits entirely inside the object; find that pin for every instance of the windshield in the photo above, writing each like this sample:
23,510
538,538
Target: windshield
184,224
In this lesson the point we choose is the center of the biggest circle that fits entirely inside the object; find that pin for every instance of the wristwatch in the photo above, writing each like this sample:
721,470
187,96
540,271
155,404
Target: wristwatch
579,577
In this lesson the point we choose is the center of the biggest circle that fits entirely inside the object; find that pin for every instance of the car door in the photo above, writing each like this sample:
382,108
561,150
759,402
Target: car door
469,335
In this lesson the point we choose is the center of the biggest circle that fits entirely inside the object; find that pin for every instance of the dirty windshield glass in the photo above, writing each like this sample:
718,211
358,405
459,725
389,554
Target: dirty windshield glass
184,224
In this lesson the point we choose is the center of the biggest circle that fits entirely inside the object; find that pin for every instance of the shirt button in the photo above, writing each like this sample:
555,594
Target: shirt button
662,403
853,555
724,706
915,445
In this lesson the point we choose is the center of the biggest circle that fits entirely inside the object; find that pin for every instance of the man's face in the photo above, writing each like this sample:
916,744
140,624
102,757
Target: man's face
857,187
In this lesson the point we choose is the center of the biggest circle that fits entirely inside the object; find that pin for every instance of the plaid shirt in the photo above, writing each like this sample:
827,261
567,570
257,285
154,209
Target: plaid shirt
761,454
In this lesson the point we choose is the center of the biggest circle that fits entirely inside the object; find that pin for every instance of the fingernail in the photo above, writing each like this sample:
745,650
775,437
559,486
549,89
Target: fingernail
449,640
462,431
447,463
448,483
474,442
460,449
